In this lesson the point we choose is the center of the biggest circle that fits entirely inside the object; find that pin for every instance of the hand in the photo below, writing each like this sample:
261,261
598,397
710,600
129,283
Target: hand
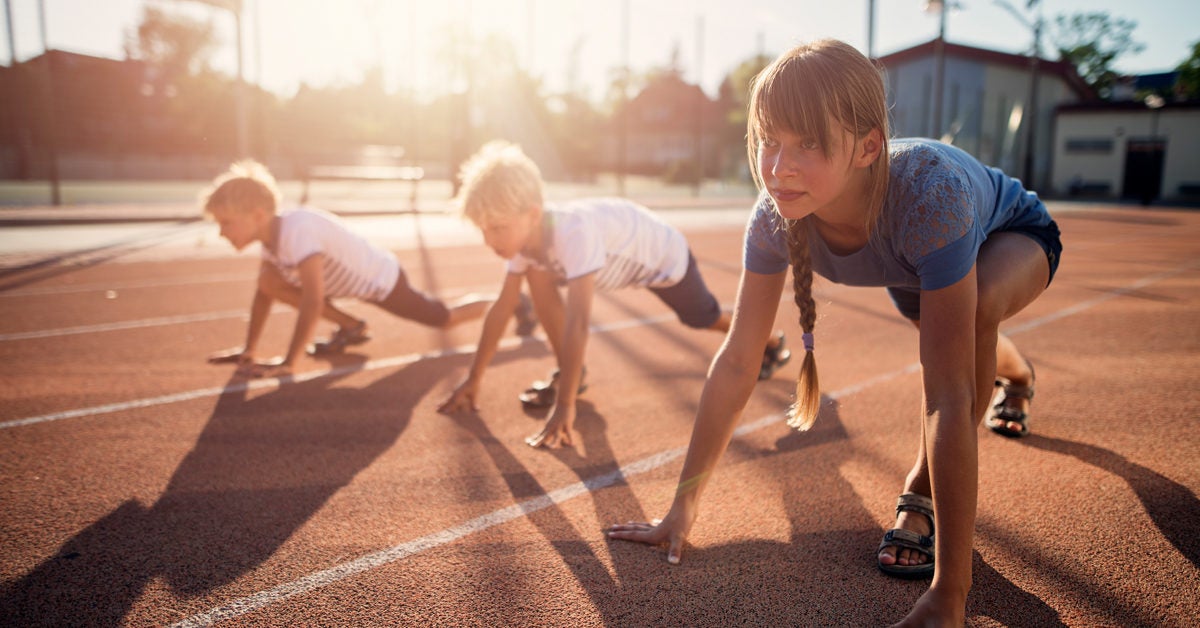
463,398
556,431
673,531
236,355
273,368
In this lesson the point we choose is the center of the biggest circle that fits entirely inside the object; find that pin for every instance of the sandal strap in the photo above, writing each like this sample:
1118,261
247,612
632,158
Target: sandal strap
914,502
1018,392
899,537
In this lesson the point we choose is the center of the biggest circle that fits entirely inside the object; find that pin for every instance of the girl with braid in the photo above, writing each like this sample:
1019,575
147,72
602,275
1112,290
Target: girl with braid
959,246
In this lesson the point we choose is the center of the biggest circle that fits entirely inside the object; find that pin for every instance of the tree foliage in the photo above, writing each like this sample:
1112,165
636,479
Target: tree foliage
1092,42
1189,74
176,44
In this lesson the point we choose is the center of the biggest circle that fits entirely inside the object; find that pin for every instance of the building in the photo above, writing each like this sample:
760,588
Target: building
986,98
1134,150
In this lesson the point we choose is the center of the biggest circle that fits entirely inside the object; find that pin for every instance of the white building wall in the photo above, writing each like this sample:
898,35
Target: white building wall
979,105
1106,168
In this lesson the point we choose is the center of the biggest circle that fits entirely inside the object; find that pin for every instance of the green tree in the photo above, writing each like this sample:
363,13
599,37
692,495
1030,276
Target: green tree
175,44
1189,74
1092,42
733,99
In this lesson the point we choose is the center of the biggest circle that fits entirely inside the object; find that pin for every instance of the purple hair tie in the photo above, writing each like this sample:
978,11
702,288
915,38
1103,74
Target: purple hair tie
808,341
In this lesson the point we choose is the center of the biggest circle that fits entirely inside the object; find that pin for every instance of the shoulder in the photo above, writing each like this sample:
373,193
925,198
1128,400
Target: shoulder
765,223
931,195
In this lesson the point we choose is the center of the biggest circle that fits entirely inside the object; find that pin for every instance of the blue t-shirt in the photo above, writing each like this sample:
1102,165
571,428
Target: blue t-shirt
941,205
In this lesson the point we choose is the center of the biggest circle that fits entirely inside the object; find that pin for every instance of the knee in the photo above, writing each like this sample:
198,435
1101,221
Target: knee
271,283
989,312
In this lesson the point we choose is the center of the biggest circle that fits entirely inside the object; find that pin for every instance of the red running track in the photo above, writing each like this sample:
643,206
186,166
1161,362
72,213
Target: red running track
142,486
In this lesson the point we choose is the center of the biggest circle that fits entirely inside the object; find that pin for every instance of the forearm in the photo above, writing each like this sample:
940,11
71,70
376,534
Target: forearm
260,309
951,443
494,324
308,315
570,354
725,394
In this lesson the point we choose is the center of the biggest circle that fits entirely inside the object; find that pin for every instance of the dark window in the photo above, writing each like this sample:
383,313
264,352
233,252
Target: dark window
1090,145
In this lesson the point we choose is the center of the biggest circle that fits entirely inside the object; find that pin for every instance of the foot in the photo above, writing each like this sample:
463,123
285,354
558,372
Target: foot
1009,414
775,355
935,608
542,393
342,338
527,320
895,555
907,550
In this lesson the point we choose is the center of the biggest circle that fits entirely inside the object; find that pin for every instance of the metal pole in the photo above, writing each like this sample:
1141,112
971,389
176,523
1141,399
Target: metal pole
243,126
52,123
698,181
12,42
870,29
939,76
623,132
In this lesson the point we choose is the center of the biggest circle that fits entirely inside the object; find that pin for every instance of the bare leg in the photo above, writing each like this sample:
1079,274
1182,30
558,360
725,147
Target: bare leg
468,308
1011,272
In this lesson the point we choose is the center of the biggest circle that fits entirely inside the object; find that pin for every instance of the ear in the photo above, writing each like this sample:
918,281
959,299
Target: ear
868,148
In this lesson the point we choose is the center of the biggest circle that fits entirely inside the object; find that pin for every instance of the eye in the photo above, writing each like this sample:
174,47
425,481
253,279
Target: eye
809,144
767,142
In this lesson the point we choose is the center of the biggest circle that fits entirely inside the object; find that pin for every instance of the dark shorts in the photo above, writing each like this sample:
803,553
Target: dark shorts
691,300
406,302
908,300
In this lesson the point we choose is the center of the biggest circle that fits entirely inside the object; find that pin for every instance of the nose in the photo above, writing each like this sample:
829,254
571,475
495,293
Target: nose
782,163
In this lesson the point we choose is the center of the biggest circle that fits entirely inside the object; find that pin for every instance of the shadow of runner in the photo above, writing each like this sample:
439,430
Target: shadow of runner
259,470
1172,507
599,471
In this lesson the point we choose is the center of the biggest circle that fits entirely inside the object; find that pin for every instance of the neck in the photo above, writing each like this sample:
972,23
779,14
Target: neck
534,243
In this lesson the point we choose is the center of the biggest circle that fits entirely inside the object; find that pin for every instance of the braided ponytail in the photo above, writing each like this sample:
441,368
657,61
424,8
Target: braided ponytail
803,413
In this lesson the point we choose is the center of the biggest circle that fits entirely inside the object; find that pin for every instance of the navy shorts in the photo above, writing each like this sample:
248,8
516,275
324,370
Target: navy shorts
908,300
691,300
406,302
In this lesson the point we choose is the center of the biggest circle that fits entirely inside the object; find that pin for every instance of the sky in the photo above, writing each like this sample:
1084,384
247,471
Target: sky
331,42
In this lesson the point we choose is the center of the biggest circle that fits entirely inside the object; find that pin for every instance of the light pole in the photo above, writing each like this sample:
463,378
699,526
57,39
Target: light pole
239,94
939,60
1035,58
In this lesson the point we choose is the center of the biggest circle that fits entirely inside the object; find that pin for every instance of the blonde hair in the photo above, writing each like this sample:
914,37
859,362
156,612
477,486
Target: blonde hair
498,180
246,186
798,93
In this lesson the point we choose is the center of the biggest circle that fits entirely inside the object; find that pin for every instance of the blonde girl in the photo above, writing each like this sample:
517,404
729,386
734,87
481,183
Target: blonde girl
960,248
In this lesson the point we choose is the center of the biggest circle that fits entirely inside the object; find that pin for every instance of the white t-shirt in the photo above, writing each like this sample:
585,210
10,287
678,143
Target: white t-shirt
619,240
353,267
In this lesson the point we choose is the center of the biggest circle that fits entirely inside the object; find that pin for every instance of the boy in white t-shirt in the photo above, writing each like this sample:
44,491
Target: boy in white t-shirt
308,258
585,245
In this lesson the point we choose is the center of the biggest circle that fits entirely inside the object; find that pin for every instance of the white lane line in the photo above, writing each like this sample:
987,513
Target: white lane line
316,580
161,321
303,377
131,285
138,324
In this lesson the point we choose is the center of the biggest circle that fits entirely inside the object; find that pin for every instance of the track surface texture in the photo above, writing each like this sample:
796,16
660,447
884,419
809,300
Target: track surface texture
142,486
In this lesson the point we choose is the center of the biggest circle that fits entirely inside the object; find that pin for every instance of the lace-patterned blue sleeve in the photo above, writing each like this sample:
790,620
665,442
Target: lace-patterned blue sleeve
936,226
764,249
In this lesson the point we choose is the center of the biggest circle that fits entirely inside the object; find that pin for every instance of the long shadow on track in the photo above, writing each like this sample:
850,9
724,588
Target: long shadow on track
259,470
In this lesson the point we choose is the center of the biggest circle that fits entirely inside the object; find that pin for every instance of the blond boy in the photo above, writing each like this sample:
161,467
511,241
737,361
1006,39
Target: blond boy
586,245
308,258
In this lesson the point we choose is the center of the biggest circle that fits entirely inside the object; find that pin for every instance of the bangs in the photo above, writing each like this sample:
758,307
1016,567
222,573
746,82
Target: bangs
791,97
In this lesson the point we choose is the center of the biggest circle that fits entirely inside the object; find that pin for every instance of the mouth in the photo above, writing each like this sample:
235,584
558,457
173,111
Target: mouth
785,196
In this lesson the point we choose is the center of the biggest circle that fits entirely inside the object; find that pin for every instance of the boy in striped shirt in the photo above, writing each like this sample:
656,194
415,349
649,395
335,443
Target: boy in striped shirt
309,257
584,245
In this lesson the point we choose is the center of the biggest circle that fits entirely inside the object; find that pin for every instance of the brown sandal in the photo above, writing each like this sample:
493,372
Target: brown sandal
906,539
1002,414
543,393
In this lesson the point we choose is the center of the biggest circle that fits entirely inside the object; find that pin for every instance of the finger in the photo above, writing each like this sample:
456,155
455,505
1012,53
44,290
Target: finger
675,551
